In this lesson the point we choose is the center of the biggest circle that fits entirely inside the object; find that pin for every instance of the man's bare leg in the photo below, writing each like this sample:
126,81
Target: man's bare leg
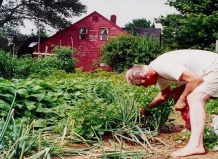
195,145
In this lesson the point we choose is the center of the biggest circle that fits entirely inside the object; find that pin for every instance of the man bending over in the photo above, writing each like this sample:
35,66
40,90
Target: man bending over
196,74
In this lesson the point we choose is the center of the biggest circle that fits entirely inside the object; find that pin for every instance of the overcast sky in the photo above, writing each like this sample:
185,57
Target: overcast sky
125,10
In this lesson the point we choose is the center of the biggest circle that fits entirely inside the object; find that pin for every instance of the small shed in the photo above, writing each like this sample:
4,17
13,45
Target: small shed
28,46
86,36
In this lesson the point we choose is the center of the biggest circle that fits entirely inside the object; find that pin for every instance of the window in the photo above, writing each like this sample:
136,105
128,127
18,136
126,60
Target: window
83,33
95,19
104,32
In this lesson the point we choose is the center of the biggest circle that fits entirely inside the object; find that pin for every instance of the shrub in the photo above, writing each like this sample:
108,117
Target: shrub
64,57
12,67
7,64
127,50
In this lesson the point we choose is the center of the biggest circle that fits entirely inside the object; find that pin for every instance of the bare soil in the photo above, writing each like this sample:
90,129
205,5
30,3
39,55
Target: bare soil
175,137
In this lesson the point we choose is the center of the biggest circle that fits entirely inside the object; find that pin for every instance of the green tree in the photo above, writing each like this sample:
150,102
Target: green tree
55,13
195,26
139,23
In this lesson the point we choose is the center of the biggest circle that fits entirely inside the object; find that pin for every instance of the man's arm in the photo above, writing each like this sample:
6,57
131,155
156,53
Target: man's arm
161,97
193,80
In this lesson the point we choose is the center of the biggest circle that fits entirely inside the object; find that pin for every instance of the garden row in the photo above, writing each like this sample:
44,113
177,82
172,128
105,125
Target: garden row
87,104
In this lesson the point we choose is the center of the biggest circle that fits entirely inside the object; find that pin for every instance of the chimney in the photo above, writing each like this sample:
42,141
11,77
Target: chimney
113,19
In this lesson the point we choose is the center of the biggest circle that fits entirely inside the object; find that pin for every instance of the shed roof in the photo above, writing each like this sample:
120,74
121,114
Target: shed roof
147,31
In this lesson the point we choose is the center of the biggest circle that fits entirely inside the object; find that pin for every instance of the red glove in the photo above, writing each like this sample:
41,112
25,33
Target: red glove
186,117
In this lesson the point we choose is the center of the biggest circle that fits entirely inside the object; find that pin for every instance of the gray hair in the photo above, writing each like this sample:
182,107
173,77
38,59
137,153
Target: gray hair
134,73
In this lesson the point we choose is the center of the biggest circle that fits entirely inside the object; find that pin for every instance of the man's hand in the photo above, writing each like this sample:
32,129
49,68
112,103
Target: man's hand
181,105
161,97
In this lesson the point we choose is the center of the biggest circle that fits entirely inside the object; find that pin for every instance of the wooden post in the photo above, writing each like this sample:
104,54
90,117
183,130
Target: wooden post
46,50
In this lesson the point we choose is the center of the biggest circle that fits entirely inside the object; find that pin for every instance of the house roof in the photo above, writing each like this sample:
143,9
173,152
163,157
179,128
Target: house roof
90,16
93,13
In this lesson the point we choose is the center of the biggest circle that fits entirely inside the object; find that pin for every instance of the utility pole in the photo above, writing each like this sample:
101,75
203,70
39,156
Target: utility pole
38,37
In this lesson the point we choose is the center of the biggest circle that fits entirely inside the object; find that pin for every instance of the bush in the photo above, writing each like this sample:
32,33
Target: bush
12,67
64,59
127,50
7,64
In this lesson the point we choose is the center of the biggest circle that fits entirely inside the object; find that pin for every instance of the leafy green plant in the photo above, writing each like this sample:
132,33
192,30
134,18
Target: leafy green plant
210,138
212,106
156,118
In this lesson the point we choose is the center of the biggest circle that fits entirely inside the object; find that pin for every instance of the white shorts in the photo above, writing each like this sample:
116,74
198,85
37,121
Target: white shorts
210,84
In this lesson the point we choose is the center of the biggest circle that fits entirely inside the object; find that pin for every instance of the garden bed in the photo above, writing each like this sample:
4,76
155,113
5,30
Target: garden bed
175,138
88,115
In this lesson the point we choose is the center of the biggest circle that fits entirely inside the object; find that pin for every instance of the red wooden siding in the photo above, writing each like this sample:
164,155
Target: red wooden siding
87,51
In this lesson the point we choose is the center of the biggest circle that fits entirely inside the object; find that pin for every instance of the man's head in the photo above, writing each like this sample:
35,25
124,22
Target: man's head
141,76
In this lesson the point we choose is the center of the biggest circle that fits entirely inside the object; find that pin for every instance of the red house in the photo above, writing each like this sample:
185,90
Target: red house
87,36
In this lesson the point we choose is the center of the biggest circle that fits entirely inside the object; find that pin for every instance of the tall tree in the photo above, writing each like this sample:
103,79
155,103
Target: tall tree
55,13
139,23
195,26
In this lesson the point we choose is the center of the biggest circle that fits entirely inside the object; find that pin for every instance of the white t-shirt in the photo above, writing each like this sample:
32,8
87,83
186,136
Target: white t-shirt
171,65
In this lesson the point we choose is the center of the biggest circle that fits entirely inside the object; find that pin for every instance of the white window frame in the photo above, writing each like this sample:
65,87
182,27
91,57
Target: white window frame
83,35
102,35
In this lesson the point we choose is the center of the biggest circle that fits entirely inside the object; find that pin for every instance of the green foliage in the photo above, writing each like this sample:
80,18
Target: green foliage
95,104
44,11
212,106
195,26
138,23
15,142
128,50
64,57
210,138
22,142
157,117
12,67
5,64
